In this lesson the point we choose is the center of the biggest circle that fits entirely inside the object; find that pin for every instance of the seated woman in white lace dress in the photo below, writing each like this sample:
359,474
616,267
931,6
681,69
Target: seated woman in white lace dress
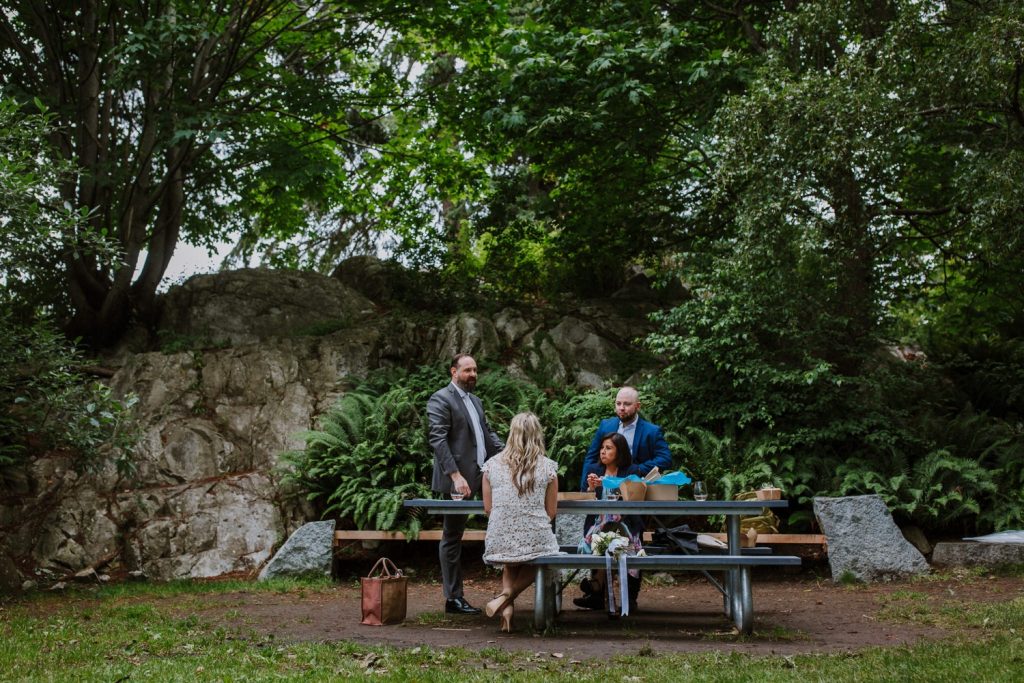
520,487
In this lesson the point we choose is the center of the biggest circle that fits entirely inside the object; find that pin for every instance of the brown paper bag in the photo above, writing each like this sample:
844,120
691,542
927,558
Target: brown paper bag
633,490
384,594
662,492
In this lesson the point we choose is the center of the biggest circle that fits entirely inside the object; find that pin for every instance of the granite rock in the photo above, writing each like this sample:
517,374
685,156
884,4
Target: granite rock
307,552
972,554
864,541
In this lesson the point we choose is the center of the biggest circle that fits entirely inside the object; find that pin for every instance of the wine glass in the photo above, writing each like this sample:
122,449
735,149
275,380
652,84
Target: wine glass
700,492
457,495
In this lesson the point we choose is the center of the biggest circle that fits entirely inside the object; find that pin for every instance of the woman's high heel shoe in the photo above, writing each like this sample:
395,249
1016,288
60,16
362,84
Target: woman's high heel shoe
495,605
506,619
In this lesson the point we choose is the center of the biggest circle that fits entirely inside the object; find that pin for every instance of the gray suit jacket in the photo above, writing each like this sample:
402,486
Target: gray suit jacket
453,441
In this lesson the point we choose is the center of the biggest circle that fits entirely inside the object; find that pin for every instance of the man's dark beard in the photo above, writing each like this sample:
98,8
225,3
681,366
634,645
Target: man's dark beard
468,385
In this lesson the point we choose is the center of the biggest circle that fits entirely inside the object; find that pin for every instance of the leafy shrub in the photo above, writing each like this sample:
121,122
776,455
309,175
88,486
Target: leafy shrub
762,391
569,425
938,489
46,403
370,451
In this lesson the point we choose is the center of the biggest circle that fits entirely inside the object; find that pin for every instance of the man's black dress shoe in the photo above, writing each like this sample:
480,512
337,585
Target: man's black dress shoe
460,606
590,601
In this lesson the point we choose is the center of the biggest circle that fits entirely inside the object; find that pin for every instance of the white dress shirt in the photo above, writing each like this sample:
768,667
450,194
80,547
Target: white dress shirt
474,419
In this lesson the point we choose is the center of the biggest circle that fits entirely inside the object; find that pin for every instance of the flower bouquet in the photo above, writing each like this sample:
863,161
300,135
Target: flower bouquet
608,542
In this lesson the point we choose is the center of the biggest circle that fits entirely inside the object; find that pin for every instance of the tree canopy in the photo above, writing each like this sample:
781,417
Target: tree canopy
831,181
198,122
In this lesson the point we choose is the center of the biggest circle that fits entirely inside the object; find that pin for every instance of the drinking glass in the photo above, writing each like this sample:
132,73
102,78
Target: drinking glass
699,491
457,495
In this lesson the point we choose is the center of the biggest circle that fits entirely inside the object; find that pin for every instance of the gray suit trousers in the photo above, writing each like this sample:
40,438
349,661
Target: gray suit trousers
449,552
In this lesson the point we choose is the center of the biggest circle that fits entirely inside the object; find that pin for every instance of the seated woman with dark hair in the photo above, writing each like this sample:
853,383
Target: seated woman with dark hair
614,458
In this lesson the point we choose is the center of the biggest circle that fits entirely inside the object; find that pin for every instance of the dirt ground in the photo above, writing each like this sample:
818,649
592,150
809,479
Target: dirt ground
794,613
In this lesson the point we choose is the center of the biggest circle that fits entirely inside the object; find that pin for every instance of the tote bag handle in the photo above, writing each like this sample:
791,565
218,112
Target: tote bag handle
385,569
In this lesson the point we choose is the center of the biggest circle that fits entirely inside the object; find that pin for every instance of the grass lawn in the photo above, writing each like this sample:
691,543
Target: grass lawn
149,632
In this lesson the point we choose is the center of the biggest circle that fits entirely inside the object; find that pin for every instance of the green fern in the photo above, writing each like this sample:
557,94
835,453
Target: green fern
936,465
370,451
938,488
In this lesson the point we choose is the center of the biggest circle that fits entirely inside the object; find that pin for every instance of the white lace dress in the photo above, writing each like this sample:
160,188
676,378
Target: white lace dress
518,528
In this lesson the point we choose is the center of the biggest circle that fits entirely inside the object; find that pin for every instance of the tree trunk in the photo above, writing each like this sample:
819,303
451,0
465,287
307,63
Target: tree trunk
855,259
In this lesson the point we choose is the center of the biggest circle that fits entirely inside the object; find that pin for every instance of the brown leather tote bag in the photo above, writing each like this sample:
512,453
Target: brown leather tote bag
384,594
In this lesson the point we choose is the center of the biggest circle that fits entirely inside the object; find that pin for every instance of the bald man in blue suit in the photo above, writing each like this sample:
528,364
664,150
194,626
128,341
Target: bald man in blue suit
646,441
649,450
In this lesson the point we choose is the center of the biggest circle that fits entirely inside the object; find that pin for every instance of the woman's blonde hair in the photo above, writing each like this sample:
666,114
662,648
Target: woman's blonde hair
523,450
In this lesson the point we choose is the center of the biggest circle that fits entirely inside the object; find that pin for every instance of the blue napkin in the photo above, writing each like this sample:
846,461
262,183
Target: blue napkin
612,483
677,478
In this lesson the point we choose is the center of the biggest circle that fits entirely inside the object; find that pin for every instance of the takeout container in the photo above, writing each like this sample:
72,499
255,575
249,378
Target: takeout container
662,492
633,490
577,495
769,494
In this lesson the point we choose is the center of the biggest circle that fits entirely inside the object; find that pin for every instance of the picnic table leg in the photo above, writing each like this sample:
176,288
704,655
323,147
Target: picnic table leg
550,597
744,605
539,599
732,576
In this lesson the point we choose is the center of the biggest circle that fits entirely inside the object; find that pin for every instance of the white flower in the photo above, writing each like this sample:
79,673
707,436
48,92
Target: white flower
608,542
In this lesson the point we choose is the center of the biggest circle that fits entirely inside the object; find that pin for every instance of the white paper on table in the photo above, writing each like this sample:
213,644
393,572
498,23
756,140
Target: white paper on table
710,541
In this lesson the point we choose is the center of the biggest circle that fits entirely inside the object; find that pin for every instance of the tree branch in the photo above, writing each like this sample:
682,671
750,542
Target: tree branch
1015,94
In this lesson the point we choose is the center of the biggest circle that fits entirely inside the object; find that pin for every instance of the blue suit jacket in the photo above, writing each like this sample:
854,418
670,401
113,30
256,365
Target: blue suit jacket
649,450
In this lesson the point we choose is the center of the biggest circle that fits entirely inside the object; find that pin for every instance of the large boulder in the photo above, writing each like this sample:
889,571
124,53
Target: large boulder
589,353
468,333
252,358
307,552
864,542
376,279
590,348
206,529
252,304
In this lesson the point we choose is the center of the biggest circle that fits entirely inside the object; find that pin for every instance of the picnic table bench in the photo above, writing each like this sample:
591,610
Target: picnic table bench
736,588
343,536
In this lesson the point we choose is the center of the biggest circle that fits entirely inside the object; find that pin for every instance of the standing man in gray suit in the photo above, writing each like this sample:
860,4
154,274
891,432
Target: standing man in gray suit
461,441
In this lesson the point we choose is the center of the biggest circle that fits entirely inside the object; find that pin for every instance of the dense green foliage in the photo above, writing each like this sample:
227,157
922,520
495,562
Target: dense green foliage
370,451
34,222
262,122
46,402
588,117
855,195
837,184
